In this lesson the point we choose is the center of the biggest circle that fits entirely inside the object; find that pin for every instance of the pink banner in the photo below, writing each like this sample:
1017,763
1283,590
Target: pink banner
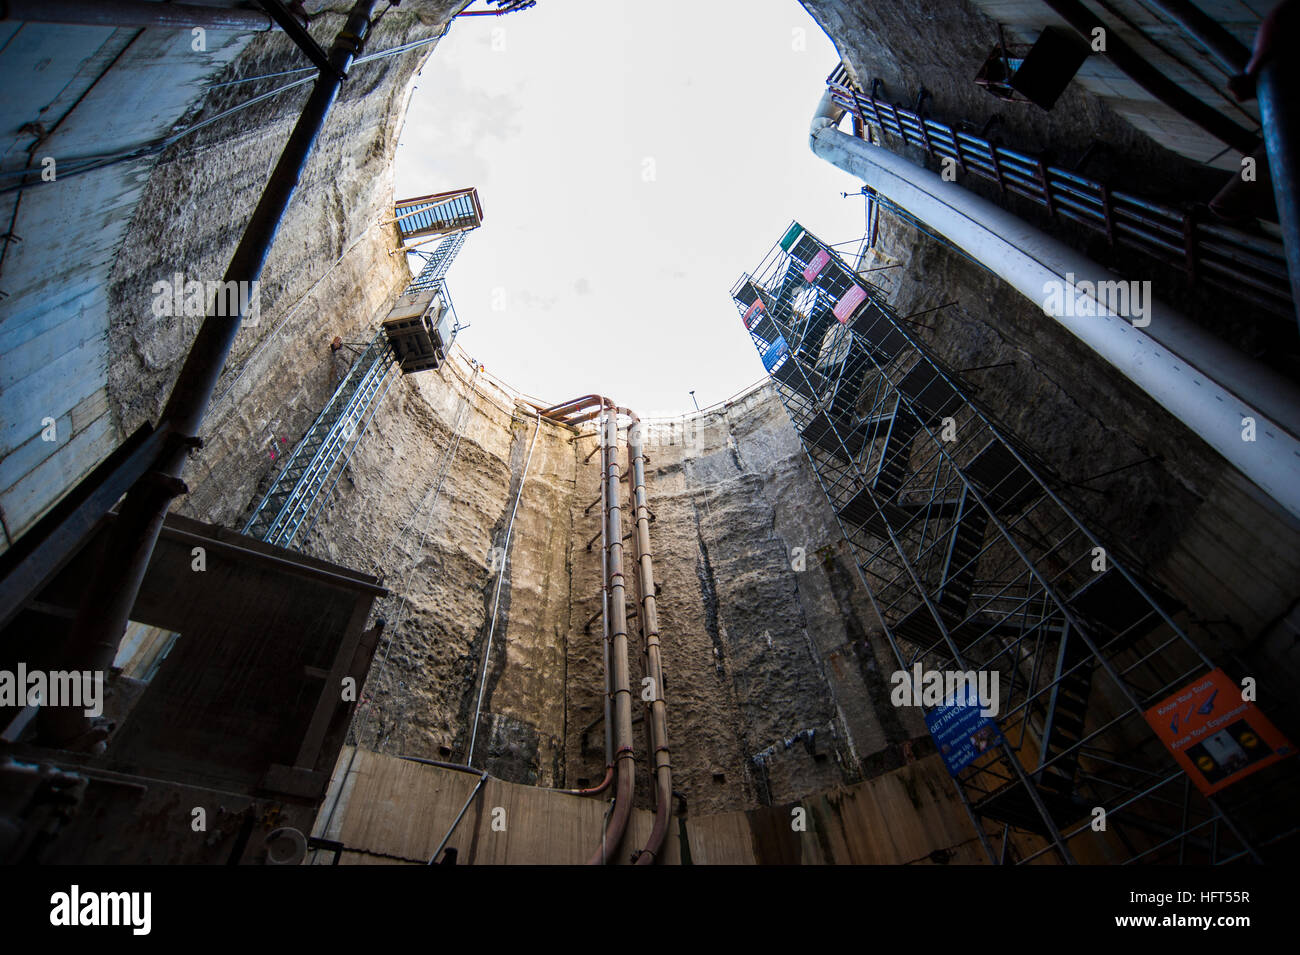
758,303
846,306
816,265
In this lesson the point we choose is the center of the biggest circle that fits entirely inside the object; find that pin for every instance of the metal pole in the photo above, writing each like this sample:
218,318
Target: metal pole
106,605
135,13
459,816
1280,117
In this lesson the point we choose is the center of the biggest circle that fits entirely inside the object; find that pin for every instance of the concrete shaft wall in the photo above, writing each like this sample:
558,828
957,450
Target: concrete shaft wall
775,674
758,712
772,675
80,342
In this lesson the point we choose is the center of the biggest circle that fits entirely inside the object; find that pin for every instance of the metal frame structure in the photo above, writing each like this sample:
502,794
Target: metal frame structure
436,263
973,563
1252,267
438,214
320,457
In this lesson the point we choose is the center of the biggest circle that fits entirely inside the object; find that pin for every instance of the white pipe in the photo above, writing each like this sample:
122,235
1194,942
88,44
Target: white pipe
1200,380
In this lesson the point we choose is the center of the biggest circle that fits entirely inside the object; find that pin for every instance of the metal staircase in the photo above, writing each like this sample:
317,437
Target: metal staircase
319,458
436,263
973,563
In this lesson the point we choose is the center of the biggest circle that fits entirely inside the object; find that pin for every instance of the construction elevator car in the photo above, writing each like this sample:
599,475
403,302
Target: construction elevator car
419,328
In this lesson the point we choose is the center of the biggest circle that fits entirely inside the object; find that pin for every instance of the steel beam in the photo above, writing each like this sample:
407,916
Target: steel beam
1202,381
135,13
110,595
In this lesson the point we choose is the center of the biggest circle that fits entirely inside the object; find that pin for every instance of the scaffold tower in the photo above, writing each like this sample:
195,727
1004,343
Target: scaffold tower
975,564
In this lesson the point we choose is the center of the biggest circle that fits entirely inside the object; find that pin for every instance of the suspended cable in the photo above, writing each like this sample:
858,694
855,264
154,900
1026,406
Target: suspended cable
378,54
91,163
496,599
432,499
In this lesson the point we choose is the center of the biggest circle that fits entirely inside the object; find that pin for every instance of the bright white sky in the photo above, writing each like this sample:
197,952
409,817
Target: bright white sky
616,275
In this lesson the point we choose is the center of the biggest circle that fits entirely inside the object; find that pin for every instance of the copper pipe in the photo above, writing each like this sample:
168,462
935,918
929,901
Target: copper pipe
604,784
649,619
586,401
561,412
614,597
622,702
582,417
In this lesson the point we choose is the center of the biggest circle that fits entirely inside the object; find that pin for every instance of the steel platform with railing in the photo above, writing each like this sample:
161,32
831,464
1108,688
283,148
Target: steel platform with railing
1251,266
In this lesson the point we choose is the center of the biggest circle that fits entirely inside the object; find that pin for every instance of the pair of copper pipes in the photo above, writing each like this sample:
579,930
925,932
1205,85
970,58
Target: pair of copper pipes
620,756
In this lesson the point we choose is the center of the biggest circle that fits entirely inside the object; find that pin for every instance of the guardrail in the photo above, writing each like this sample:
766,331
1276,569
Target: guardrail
1252,267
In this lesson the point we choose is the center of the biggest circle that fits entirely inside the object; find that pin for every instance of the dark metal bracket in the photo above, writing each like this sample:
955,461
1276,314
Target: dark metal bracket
289,22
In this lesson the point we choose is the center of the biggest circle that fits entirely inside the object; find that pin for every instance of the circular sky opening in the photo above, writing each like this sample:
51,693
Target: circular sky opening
632,160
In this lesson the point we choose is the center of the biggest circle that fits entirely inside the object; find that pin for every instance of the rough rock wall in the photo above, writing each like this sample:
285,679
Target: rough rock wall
434,523
776,678
767,683
328,273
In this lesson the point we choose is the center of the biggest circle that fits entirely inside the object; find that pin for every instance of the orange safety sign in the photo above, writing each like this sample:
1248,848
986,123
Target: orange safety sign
1216,736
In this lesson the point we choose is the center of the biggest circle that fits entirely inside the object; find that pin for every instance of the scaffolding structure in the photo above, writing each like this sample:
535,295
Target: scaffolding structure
973,563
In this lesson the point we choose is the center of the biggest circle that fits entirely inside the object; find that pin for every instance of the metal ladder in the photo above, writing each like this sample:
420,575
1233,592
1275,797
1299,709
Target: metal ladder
316,458
436,263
